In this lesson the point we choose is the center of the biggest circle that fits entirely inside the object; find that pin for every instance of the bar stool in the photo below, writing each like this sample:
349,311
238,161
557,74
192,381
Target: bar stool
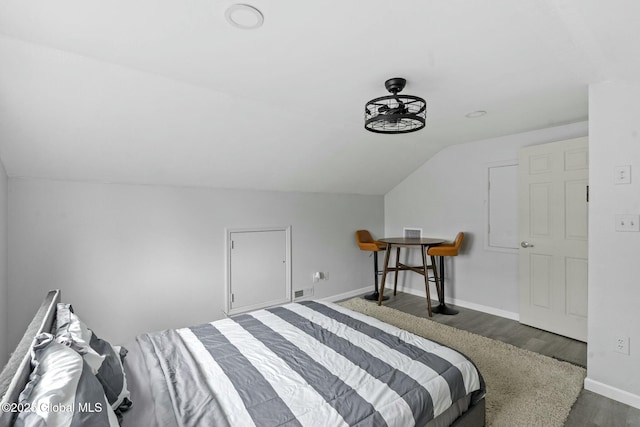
443,250
367,243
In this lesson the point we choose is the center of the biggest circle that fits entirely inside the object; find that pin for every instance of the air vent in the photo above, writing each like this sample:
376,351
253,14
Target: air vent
412,233
303,293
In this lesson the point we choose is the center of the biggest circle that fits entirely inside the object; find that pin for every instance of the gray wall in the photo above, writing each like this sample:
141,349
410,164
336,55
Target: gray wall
141,258
448,194
614,270
4,277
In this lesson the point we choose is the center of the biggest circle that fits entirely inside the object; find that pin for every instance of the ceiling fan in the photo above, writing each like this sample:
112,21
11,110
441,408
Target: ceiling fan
395,113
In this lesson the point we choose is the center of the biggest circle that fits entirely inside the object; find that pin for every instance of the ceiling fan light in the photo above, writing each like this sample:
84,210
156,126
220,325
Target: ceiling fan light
244,16
475,114
395,113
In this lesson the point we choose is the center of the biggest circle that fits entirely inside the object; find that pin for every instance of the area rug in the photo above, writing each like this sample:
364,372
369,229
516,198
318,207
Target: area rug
523,388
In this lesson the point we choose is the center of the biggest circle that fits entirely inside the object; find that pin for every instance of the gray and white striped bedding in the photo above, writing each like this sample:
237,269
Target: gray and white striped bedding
303,364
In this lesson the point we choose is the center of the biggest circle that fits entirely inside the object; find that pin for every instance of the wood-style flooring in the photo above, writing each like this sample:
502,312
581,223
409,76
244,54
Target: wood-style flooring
590,409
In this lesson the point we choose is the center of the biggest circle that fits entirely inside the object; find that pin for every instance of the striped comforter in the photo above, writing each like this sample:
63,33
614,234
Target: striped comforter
302,364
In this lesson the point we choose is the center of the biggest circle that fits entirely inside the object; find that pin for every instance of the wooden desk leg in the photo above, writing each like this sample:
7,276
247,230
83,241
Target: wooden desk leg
426,280
395,279
384,274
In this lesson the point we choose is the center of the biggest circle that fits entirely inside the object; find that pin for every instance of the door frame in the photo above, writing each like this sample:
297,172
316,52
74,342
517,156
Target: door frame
227,294
487,207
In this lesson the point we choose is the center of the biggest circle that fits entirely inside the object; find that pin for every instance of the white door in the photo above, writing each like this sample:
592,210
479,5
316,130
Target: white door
552,228
258,268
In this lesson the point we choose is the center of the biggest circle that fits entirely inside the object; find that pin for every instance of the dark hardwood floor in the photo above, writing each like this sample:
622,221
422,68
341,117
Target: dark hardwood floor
590,409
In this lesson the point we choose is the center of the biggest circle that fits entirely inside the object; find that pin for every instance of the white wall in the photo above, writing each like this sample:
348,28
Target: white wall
614,257
4,277
448,194
141,258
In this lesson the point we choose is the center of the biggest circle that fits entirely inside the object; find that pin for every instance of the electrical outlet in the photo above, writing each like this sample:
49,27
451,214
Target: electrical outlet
627,222
319,275
622,175
621,344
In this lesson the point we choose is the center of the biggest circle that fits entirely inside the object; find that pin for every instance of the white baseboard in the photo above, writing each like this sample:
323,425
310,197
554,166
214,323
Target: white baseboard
612,392
486,309
470,305
460,303
345,295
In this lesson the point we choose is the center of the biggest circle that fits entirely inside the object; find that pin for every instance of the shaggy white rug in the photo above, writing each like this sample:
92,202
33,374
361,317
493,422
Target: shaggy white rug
523,388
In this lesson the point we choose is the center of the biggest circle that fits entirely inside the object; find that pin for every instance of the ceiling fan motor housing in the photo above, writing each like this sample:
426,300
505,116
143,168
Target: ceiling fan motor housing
395,84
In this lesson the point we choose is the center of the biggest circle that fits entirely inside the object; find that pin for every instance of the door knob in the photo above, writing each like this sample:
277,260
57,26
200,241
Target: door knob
526,244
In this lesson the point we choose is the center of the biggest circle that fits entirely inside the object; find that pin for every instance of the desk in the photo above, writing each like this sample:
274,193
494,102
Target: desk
421,243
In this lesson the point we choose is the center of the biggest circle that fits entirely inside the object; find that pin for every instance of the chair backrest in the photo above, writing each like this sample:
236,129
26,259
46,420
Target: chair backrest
447,249
366,242
363,236
458,241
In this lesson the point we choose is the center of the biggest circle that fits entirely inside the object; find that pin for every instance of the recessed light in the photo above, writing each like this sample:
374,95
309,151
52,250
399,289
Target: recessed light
244,16
475,114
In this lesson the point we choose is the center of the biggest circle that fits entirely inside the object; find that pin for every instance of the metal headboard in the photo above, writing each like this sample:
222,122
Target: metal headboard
15,374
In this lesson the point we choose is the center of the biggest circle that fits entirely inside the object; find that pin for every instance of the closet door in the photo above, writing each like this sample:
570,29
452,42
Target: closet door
258,268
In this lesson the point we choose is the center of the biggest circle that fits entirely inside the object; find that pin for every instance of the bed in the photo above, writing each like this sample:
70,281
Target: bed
302,364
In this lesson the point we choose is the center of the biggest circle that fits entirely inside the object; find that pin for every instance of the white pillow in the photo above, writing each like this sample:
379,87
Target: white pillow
72,332
62,390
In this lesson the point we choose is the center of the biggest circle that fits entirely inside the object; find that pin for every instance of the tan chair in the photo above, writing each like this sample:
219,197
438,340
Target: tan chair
367,243
441,251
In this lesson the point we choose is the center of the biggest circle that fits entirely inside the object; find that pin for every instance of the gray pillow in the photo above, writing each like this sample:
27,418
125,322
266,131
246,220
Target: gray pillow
104,359
62,391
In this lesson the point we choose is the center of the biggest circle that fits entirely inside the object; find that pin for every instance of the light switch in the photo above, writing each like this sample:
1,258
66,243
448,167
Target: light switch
622,174
627,222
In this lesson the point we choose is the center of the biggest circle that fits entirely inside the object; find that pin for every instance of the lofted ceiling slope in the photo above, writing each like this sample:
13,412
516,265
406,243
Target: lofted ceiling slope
168,92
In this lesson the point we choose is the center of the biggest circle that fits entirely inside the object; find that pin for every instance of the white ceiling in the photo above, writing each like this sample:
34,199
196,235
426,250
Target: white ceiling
167,92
